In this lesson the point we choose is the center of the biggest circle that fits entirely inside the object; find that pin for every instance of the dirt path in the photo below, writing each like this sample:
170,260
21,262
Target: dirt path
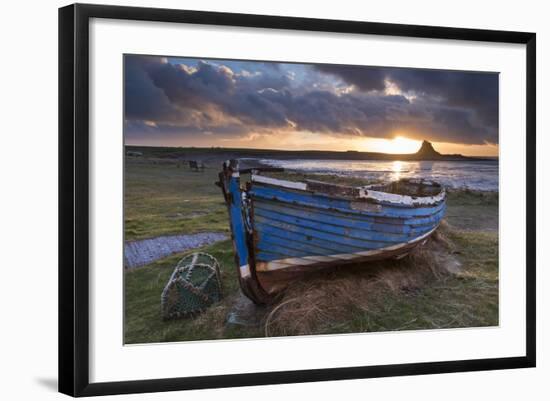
142,252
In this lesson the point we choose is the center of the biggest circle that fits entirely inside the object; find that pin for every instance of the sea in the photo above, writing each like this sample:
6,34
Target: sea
481,175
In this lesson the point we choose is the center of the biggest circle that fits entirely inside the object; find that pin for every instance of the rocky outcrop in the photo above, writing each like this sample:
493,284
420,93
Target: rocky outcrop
427,151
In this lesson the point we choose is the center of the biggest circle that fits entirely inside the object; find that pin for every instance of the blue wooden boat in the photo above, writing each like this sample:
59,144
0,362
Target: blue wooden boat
283,229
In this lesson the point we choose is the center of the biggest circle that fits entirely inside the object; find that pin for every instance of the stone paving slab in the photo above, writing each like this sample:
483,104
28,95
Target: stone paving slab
142,252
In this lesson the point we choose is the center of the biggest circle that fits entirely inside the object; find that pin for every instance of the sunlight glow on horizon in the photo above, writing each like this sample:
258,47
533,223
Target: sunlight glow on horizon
399,145
313,141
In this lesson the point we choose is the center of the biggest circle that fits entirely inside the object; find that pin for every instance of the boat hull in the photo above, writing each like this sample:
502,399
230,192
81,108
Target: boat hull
289,228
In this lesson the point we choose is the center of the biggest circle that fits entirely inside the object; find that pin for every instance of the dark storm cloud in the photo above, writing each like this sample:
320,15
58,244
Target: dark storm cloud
475,91
143,100
364,78
191,90
236,98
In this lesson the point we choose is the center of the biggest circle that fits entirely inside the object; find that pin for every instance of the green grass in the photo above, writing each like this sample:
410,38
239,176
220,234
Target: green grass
472,210
468,299
143,287
162,199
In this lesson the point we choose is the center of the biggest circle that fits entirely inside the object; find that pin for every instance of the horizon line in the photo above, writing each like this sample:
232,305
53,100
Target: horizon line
303,150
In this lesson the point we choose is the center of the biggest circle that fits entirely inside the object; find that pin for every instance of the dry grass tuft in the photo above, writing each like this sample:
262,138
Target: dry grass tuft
316,303
212,321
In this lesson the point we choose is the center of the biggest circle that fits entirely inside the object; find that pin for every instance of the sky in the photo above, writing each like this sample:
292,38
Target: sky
173,101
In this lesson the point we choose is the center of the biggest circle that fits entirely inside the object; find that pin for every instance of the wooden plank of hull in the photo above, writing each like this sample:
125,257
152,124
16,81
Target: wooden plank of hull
276,275
332,231
302,243
363,221
326,246
335,259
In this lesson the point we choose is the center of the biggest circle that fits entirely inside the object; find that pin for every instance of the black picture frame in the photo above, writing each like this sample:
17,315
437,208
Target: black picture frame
74,204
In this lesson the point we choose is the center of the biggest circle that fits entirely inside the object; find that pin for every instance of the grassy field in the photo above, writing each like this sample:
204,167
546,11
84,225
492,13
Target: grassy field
163,197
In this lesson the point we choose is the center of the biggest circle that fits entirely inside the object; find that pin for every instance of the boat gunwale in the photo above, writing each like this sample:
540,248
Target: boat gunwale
265,220
364,193
357,211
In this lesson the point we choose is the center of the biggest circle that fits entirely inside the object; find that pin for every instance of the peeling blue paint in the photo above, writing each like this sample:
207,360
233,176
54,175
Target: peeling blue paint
237,221
292,223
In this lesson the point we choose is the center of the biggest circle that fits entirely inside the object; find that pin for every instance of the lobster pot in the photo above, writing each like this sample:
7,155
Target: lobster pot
194,285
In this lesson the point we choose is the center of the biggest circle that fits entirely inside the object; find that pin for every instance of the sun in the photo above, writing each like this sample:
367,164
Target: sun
398,144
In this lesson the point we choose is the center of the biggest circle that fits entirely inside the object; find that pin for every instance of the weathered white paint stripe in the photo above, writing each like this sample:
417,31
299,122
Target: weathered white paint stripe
364,192
245,271
280,183
407,200
286,263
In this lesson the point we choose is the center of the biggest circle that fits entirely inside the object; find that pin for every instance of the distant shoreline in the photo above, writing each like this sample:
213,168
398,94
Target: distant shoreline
208,154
